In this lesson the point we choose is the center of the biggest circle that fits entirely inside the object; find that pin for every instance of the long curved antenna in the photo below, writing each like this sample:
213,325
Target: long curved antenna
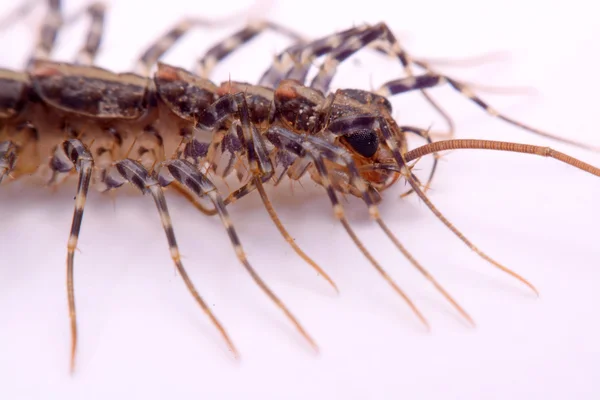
543,151
415,184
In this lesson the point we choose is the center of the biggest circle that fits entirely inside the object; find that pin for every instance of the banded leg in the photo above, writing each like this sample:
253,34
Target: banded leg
150,57
262,169
243,136
217,53
89,51
303,146
295,61
319,151
348,125
186,174
134,172
8,158
74,155
431,80
52,23
382,33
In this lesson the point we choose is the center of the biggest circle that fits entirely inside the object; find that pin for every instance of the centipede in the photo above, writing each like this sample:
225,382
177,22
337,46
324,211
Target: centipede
166,127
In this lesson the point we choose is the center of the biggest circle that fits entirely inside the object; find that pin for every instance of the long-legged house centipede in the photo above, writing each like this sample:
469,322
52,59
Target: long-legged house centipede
347,141
70,100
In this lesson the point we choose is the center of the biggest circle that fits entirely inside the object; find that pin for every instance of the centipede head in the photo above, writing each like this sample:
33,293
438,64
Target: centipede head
355,117
349,118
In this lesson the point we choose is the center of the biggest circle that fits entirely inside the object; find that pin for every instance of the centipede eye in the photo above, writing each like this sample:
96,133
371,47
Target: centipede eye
364,142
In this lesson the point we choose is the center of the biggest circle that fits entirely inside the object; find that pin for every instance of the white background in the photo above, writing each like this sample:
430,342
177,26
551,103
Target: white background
142,336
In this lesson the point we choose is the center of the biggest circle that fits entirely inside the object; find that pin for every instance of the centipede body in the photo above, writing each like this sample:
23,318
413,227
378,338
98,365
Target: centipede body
247,224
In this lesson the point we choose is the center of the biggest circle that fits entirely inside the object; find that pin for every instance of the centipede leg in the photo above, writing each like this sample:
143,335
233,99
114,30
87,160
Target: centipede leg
156,50
74,155
431,80
8,158
382,33
135,173
186,174
295,61
89,51
340,156
48,34
283,138
385,130
218,52
425,135
262,170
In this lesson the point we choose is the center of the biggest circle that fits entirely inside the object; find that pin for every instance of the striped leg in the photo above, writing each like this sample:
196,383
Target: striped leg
215,54
134,172
97,14
295,61
262,170
382,33
157,49
204,65
73,154
353,43
52,23
318,151
349,125
321,151
186,174
431,80
244,137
